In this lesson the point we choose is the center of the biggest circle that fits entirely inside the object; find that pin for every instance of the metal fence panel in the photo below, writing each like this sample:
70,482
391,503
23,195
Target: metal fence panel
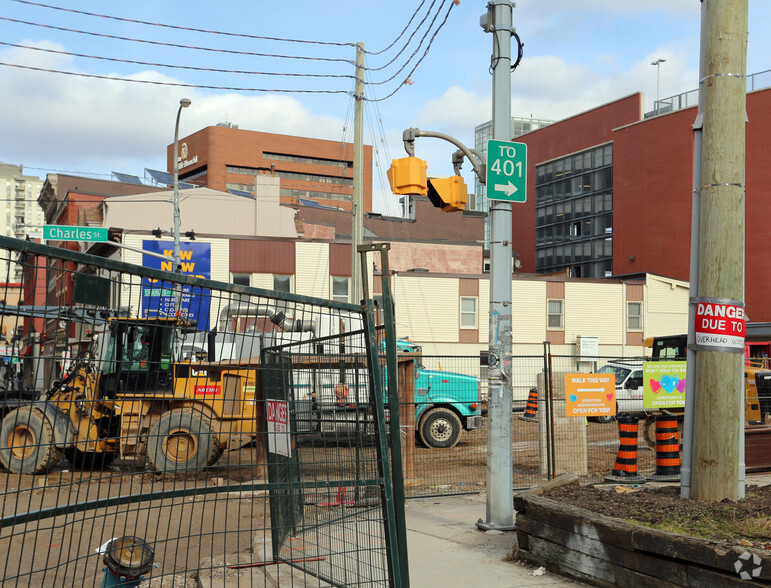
135,405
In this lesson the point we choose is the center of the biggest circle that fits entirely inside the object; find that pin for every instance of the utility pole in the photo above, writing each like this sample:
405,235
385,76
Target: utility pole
718,399
500,470
357,223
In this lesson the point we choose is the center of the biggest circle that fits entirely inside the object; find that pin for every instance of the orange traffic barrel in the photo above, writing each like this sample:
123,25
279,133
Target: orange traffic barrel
667,450
625,468
531,409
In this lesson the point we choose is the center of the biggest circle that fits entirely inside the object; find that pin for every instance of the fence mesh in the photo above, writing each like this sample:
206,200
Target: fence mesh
184,431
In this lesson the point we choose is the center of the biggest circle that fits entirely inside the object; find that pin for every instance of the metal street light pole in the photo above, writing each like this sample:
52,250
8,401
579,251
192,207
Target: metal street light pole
184,103
658,63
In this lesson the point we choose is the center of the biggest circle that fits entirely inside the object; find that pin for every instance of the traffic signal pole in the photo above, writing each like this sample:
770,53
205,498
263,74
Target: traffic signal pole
500,471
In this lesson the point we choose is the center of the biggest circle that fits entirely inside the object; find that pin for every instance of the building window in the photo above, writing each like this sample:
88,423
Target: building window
468,312
242,279
574,204
340,288
634,316
554,315
282,283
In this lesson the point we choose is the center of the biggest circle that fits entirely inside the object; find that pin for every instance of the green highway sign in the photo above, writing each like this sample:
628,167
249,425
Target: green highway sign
68,233
506,171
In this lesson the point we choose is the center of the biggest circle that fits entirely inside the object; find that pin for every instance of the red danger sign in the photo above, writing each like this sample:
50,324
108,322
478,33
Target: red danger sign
720,325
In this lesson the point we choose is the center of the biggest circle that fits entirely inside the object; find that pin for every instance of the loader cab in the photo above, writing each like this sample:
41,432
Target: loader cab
138,358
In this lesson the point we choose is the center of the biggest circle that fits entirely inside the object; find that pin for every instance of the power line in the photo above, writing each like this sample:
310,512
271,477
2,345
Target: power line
177,84
175,45
412,36
422,57
415,52
401,34
181,28
188,67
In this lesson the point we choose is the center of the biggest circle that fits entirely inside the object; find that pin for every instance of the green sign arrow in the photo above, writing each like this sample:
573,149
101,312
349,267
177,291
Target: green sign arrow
69,233
506,171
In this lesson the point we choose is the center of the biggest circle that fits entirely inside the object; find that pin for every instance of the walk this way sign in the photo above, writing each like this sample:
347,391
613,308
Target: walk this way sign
506,171
70,233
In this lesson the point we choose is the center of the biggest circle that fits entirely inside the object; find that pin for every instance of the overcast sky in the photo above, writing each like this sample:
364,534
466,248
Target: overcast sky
577,55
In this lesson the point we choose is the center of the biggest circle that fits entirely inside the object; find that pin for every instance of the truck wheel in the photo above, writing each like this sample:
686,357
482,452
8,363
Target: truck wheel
182,440
89,460
26,442
605,419
440,428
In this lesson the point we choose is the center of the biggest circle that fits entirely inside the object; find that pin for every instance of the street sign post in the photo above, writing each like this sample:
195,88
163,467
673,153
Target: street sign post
70,233
506,171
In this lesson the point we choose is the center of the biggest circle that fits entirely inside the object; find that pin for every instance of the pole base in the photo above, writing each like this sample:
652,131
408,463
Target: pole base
485,526
635,479
665,477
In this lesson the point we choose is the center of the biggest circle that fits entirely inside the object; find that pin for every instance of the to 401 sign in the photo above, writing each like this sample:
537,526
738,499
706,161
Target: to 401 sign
506,171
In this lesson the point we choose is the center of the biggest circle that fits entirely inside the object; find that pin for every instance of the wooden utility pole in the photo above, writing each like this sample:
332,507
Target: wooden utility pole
718,415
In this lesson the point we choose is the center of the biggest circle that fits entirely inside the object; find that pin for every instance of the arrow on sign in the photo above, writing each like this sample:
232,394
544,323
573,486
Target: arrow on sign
507,189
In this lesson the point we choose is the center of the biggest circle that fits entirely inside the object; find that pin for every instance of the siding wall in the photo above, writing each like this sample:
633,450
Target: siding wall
666,309
312,275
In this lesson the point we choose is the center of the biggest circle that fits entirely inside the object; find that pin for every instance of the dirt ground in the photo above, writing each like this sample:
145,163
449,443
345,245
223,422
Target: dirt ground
190,525
745,522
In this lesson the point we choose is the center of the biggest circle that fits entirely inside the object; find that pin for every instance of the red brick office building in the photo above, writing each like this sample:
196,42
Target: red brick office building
609,193
227,158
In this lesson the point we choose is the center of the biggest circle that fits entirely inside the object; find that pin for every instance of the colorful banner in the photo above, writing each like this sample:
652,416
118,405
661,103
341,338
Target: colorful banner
663,384
158,298
590,395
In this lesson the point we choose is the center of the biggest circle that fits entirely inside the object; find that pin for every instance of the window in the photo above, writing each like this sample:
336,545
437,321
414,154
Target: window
468,312
554,315
634,316
242,279
282,283
340,289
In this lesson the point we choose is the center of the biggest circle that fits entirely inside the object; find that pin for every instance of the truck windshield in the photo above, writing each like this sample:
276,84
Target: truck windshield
619,371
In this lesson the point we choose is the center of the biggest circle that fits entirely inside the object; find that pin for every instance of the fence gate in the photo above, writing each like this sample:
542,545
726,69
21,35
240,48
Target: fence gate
167,430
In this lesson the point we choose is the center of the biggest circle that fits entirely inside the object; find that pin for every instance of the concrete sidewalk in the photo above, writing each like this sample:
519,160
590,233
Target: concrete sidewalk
447,549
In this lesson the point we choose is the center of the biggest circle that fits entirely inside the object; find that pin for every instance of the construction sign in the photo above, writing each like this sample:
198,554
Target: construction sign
664,384
279,437
590,395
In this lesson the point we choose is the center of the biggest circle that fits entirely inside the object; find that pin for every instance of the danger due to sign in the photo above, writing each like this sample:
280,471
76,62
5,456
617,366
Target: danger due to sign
720,325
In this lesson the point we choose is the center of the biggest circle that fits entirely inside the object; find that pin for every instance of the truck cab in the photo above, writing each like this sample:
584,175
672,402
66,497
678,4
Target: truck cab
445,402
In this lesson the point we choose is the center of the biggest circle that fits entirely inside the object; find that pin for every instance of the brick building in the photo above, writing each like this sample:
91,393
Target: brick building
610,190
228,158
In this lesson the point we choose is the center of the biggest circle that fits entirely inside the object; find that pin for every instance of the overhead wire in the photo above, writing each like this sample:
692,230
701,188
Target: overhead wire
230,51
167,65
412,36
176,84
175,45
425,53
181,28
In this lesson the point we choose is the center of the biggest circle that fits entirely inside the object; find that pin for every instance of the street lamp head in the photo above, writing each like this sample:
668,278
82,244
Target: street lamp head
659,60
185,102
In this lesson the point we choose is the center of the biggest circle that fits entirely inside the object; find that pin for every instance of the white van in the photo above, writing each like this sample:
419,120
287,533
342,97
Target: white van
629,387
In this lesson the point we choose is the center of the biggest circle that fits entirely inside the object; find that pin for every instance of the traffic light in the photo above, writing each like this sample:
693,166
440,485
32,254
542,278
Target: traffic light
3,330
408,176
449,194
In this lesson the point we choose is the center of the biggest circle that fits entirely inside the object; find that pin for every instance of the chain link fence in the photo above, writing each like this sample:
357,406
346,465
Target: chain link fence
166,430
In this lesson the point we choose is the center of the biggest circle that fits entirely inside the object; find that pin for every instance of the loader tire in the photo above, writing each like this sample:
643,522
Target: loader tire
26,442
182,439
89,460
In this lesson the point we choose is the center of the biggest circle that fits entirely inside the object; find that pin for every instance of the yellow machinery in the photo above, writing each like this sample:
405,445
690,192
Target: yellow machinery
136,399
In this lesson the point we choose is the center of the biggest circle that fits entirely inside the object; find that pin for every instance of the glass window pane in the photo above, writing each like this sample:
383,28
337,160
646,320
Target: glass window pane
282,283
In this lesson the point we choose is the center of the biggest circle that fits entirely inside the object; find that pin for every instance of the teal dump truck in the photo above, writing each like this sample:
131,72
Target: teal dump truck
333,402
445,403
